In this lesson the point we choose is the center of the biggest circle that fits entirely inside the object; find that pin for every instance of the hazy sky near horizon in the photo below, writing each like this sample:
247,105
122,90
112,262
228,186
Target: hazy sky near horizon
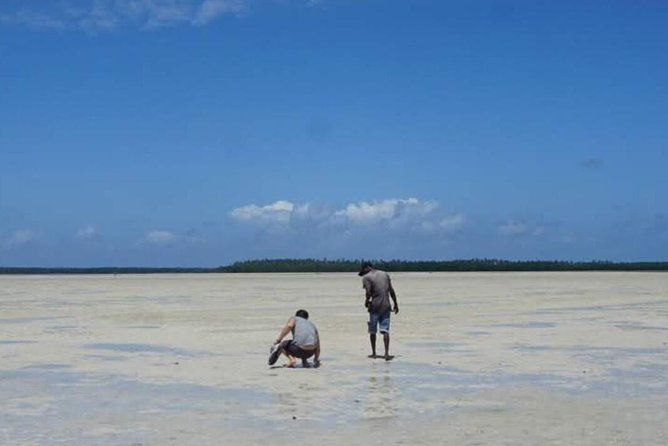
199,132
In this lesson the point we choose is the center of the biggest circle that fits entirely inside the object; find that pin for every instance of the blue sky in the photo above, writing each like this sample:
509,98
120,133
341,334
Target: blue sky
200,132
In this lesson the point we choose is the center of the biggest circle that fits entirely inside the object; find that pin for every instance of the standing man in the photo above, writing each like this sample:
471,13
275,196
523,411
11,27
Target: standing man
378,290
305,341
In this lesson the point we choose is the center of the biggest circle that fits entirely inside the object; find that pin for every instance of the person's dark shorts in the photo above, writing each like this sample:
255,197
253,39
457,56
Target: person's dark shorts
294,350
379,322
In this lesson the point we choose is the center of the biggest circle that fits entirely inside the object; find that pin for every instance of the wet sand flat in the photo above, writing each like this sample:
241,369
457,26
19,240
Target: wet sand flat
481,358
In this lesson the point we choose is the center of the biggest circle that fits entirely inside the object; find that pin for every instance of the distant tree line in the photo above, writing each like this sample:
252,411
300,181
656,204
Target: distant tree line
102,270
343,265
346,265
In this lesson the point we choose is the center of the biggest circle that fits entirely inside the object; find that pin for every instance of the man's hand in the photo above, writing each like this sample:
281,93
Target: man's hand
396,309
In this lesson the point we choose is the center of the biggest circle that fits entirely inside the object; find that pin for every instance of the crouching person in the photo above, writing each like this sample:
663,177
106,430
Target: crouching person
305,341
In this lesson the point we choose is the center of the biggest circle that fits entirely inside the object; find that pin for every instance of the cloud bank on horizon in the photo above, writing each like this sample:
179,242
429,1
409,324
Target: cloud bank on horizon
385,228
408,228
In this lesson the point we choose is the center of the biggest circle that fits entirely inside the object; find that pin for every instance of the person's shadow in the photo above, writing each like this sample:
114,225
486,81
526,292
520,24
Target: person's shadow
389,357
380,394
297,366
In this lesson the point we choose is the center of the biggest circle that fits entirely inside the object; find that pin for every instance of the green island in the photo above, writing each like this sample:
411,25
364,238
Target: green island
344,265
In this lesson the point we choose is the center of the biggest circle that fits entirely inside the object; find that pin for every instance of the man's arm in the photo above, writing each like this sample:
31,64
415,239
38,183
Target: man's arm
367,299
289,325
367,293
393,295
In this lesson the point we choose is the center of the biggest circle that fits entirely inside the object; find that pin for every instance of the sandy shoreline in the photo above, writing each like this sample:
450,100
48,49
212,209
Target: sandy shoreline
488,358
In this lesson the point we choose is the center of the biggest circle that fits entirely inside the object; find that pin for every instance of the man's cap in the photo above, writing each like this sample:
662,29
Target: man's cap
363,268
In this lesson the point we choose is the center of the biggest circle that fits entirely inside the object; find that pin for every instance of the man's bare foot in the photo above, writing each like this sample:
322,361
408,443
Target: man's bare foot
372,356
289,365
389,357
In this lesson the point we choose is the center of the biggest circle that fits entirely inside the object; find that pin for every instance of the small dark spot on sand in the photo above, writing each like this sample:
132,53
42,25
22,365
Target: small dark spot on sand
357,401
176,363
294,417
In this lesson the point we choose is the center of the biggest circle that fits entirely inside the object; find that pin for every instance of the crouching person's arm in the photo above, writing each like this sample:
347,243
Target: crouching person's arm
289,325
316,358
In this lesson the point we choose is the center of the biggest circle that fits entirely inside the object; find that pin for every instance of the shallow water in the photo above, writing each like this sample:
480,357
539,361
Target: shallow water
182,358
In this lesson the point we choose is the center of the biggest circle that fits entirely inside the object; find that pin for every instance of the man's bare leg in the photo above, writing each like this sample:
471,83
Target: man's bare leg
372,339
291,361
386,342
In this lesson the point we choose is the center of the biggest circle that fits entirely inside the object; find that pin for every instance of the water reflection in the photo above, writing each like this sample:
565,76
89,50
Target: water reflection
380,401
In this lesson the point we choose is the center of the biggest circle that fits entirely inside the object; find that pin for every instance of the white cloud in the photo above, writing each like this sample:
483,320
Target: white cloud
312,212
396,214
452,223
160,237
279,211
210,10
364,212
104,15
87,232
20,237
33,20
394,211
